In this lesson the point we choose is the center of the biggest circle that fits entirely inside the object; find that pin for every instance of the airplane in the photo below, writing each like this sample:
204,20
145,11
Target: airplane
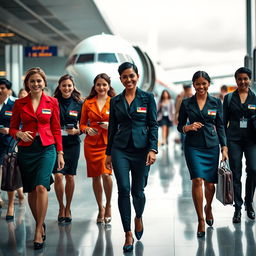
103,54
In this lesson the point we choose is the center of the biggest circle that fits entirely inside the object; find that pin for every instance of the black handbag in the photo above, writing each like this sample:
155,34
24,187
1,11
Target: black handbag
225,191
11,177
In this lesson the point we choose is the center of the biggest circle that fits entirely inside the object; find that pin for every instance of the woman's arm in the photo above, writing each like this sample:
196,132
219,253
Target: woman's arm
220,125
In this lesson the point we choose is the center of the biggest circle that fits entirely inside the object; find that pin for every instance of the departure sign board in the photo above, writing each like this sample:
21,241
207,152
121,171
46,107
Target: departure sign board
40,51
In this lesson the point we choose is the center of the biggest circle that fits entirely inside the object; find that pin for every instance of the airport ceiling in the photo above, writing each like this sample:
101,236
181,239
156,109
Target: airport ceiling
63,23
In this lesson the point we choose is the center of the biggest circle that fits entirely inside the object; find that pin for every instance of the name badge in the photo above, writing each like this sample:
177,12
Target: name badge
8,113
46,111
243,123
107,112
73,113
64,133
141,110
250,106
212,112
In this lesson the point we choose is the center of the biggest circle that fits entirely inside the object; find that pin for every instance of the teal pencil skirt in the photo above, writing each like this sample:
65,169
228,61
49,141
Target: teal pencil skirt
36,164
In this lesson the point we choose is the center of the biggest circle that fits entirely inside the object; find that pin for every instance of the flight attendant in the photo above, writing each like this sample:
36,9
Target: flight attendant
240,122
94,123
205,134
70,104
39,134
132,147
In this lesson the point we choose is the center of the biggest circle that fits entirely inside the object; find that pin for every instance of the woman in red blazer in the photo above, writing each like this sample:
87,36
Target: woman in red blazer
38,116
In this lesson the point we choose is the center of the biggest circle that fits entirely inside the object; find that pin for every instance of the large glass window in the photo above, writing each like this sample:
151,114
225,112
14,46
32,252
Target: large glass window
85,58
107,57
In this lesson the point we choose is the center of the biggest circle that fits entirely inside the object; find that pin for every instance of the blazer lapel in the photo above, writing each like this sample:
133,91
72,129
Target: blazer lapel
94,106
28,108
44,104
121,104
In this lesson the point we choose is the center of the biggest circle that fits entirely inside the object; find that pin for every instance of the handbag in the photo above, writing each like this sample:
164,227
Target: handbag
11,177
225,191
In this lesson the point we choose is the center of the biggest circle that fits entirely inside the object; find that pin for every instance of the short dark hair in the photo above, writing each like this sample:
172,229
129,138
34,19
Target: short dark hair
185,86
224,88
201,74
243,70
7,83
127,65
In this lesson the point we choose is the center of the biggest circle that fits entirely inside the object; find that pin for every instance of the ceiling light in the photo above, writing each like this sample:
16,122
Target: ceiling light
7,34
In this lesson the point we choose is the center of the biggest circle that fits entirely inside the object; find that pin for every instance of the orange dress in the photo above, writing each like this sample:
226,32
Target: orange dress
95,146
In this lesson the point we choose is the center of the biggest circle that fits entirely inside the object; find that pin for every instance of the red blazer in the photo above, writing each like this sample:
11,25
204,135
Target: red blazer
91,113
45,122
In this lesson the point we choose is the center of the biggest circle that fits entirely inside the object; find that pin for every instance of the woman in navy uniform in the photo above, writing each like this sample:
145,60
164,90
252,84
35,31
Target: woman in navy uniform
132,146
70,104
204,133
239,110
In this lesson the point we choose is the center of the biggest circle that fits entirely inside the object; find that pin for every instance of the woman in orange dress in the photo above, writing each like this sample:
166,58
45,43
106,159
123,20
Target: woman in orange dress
94,123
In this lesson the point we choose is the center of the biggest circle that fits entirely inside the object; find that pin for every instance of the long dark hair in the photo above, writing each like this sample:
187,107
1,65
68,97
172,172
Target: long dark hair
162,95
76,95
93,92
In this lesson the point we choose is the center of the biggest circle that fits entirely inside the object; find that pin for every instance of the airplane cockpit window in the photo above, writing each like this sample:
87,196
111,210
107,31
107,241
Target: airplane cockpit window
107,57
85,58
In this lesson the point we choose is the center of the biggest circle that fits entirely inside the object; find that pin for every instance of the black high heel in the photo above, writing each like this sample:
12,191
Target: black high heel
68,219
129,247
200,233
139,234
208,221
38,246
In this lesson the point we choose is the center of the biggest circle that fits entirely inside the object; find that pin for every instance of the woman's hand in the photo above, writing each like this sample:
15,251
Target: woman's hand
193,127
61,162
72,131
108,163
104,125
151,158
25,136
224,152
91,131
4,130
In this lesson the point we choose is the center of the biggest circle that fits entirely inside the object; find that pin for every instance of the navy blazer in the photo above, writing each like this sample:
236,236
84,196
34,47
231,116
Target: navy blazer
213,132
233,111
140,123
5,118
70,114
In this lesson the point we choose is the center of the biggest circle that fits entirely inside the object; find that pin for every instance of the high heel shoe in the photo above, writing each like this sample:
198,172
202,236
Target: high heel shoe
9,218
202,232
61,218
128,247
107,219
38,246
68,219
100,217
208,221
139,234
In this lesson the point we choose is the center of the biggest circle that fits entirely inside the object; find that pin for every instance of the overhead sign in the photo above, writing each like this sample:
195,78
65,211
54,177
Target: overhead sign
40,51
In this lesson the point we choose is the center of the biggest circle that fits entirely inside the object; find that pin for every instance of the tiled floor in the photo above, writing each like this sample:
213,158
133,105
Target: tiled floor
169,221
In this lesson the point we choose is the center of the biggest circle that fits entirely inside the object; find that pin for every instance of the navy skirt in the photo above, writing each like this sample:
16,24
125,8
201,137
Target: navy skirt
203,162
36,164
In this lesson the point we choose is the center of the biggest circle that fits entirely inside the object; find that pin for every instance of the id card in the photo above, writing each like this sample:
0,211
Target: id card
243,123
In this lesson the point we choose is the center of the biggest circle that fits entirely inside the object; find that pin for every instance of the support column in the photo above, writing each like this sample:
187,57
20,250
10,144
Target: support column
14,65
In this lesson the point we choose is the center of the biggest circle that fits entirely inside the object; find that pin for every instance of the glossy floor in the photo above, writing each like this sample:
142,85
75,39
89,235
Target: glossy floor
169,220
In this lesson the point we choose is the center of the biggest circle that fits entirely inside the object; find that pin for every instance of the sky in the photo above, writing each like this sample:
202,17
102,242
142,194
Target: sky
183,35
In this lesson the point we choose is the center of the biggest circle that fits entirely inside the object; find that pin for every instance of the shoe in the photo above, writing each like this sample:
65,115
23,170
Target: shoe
61,219
237,216
107,219
68,219
129,247
200,233
44,236
100,217
208,221
38,246
139,234
250,211
9,217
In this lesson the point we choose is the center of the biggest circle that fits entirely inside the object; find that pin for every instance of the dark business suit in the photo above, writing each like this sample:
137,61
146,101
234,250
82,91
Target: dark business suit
132,132
206,140
70,113
5,117
241,140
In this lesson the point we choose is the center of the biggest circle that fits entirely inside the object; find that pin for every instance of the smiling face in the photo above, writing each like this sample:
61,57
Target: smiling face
66,88
243,81
101,87
201,86
36,83
129,79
